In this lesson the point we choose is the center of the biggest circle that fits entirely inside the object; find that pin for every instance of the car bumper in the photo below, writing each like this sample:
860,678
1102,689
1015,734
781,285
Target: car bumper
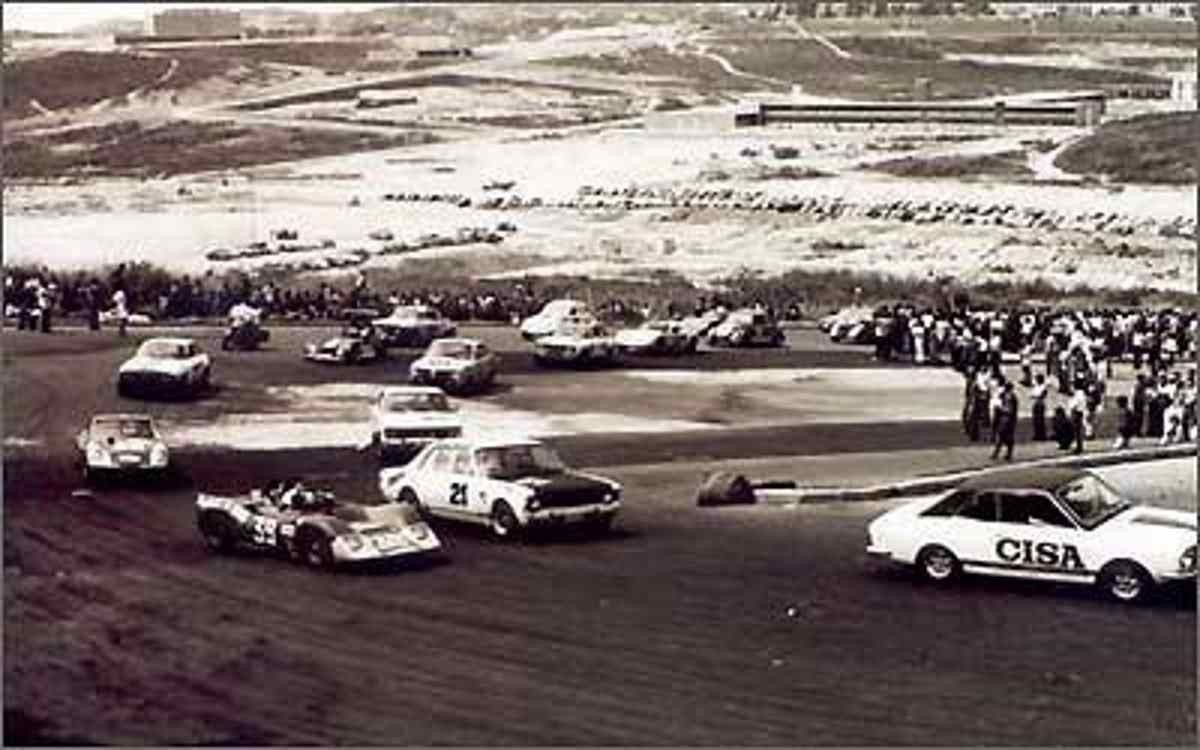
440,377
1177,576
343,553
573,515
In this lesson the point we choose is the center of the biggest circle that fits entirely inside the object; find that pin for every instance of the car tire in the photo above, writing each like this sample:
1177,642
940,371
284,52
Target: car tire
1125,581
601,526
314,550
409,495
218,533
503,522
123,388
937,564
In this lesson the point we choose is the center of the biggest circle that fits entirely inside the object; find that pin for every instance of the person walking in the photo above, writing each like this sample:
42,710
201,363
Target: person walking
1037,396
1006,422
1125,426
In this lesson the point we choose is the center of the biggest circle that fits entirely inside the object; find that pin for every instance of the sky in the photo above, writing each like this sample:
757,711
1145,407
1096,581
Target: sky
58,17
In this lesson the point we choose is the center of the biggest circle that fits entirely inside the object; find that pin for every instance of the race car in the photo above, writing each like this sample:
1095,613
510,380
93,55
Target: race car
747,328
657,337
1052,524
358,342
406,418
245,331
456,365
413,326
507,485
165,365
121,444
551,316
311,526
583,342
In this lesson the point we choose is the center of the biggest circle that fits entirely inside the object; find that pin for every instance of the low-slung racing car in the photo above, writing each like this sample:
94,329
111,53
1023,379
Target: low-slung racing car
121,444
747,328
165,365
311,526
506,485
657,337
456,365
358,342
1052,524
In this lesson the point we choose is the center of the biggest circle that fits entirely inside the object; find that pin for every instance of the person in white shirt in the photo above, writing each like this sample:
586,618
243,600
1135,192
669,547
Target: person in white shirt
1077,406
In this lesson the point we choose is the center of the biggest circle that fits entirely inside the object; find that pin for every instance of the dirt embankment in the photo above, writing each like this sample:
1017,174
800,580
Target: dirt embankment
74,79
1011,164
1158,148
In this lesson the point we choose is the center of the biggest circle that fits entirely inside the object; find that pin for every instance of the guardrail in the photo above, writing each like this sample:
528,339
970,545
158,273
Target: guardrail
1073,114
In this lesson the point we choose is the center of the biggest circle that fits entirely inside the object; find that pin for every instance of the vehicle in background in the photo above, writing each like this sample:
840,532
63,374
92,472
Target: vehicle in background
577,342
552,315
657,337
413,326
166,366
122,444
357,342
245,331
747,327
508,485
456,364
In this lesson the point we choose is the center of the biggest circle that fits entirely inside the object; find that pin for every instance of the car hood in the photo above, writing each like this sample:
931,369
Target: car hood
1150,516
157,364
442,363
568,340
567,482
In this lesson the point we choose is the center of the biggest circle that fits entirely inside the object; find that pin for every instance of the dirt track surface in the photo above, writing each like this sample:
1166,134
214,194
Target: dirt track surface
685,626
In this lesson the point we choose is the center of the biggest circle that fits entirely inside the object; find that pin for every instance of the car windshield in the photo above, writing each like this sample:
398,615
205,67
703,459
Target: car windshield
165,350
416,402
450,349
1091,500
512,461
122,428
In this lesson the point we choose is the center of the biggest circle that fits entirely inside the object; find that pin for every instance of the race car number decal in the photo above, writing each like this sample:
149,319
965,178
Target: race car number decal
263,531
458,493
1027,552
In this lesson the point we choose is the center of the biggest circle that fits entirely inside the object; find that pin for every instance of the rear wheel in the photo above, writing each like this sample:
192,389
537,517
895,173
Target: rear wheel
409,495
503,523
315,550
1126,581
938,564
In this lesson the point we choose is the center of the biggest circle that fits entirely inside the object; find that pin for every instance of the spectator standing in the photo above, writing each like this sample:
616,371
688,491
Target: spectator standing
1139,404
1006,422
120,311
1064,431
1037,396
1077,405
1125,423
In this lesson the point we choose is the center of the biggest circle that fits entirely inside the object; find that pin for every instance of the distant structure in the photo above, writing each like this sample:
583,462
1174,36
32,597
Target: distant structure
1183,88
197,23
368,98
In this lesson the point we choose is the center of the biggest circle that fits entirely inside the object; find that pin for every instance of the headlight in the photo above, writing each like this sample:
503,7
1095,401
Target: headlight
354,542
158,455
612,495
1187,561
533,504
96,454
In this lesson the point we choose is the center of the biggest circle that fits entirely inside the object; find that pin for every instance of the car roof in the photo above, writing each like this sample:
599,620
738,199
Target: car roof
1034,478
409,390
120,417
490,441
172,340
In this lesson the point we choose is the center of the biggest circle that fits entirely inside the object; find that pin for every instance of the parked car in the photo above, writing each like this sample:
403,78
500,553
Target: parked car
577,342
507,485
456,364
413,326
405,418
311,526
165,365
551,316
747,328
1051,524
122,444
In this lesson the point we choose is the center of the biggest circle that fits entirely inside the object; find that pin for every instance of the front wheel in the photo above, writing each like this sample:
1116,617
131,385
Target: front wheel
409,495
1125,581
315,551
218,534
938,564
503,523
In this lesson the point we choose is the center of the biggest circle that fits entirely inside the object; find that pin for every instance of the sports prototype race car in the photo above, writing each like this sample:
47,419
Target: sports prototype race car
358,342
121,444
406,418
1052,524
506,485
456,365
313,527
165,365
413,326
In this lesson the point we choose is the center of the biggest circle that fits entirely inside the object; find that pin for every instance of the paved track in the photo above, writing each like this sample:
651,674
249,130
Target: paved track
119,627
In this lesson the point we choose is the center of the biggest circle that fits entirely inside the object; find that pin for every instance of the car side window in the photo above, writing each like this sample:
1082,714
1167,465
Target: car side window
462,461
441,460
981,507
1032,509
950,505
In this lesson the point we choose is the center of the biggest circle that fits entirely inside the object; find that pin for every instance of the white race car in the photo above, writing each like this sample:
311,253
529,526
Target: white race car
121,444
584,342
456,365
657,337
405,418
507,485
165,365
413,326
1051,524
551,316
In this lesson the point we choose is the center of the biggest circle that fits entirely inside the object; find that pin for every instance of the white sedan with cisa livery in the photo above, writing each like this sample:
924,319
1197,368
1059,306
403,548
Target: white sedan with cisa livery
507,485
1052,524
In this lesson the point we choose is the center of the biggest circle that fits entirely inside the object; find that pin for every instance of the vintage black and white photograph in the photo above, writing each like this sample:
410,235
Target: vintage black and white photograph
799,374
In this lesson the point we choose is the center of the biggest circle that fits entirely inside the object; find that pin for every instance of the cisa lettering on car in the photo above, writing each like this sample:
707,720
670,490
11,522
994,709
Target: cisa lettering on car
1028,552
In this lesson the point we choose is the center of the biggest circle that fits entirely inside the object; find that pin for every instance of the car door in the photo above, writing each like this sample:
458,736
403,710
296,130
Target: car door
1035,538
433,487
461,481
970,531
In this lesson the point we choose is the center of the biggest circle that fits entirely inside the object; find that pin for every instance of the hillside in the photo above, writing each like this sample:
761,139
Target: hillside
1156,148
